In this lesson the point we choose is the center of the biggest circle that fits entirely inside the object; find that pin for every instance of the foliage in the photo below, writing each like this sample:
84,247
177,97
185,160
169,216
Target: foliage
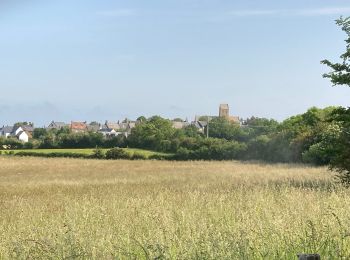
98,153
156,134
340,75
117,153
139,156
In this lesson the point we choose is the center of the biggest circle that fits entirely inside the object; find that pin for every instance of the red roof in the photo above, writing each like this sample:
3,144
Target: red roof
78,126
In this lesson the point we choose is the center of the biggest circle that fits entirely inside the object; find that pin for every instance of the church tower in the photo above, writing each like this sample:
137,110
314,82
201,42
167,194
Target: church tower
224,111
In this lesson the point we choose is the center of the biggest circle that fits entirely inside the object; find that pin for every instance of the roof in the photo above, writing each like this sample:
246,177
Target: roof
27,128
199,124
179,125
54,124
106,130
94,128
113,125
7,129
78,126
203,123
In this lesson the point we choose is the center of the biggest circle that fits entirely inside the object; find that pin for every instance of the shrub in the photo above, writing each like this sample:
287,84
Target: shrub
98,153
117,153
157,157
139,156
52,155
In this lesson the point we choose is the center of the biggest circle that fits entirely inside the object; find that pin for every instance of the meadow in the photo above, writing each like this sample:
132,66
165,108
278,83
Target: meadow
98,209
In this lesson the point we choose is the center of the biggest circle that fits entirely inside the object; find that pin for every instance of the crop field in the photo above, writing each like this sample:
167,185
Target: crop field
98,209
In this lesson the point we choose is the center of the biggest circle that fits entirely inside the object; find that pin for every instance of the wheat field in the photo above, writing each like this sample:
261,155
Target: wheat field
95,209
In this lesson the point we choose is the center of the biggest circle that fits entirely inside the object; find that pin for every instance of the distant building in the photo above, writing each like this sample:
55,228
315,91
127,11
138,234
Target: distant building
108,132
111,125
78,127
19,132
180,124
224,111
94,127
200,125
6,131
24,136
56,125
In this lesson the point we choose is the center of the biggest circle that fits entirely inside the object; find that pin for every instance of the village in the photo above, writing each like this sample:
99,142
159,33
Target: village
24,131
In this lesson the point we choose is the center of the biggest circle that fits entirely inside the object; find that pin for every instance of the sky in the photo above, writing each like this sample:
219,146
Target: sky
88,60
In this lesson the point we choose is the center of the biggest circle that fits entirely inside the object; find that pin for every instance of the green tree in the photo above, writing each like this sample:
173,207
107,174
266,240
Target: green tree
141,119
39,132
340,75
157,134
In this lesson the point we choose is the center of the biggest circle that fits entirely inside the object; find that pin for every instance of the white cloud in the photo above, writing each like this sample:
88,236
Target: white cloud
254,12
292,12
117,13
325,11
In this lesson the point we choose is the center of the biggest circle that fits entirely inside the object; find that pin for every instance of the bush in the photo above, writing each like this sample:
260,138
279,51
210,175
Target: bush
51,155
117,153
139,156
157,157
98,153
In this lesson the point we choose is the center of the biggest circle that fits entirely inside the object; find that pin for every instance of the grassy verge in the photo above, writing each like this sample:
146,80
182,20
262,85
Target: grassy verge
78,153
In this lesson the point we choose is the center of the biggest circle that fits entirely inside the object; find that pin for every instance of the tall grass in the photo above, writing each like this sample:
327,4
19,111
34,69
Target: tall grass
87,209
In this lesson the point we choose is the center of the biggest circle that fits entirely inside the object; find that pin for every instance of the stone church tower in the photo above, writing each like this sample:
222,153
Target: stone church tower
224,111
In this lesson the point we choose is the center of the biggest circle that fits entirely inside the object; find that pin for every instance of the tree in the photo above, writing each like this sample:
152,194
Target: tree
156,133
23,123
340,75
39,132
220,127
141,119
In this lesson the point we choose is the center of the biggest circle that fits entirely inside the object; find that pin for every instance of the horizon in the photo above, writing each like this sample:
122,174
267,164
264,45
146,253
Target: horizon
108,60
101,122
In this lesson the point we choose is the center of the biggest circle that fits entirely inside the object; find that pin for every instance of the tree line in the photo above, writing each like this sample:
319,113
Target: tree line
311,137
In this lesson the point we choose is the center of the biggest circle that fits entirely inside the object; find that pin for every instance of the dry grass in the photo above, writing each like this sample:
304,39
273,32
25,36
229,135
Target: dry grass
93,209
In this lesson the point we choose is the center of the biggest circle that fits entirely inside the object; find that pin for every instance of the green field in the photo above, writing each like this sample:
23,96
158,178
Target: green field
61,208
147,153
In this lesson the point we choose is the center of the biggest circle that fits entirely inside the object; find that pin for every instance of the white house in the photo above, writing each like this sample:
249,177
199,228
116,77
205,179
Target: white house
18,132
23,136
108,132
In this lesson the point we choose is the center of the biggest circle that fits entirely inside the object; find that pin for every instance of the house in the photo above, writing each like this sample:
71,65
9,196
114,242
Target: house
120,128
200,125
180,124
78,127
28,128
18,132
24,136
108,132
56,125
94,127
111,125
6,131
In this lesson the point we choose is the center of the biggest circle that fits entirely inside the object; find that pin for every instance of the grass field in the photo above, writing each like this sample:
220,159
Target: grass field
91,209
87,151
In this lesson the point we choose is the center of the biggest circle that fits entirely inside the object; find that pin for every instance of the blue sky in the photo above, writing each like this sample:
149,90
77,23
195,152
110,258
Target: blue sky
97,60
